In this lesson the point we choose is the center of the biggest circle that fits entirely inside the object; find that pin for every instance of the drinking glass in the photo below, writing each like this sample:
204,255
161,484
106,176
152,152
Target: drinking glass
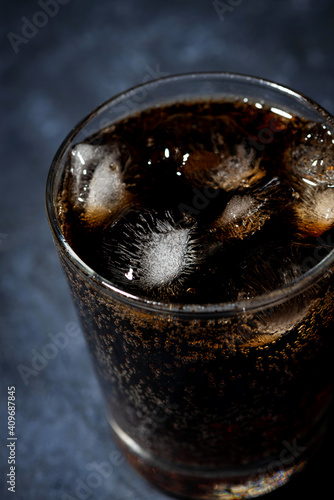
216,400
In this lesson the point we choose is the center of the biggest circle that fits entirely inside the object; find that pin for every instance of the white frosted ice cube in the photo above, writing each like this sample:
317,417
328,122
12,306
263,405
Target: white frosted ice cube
245,214
151,253
164,258
314,211
97,185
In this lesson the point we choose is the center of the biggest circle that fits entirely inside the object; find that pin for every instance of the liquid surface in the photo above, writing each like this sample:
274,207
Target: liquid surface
202,202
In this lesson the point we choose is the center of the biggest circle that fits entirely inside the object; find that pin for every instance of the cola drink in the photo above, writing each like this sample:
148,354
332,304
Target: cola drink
201,227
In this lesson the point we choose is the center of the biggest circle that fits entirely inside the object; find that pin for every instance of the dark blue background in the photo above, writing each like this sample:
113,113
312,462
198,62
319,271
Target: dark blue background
84,54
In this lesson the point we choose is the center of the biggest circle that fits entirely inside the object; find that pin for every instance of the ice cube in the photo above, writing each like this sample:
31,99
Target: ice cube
243,216
222,170
267,270
240,170
314,211
271,268
268,327
150,253
311,157
96,181
246,213
310,162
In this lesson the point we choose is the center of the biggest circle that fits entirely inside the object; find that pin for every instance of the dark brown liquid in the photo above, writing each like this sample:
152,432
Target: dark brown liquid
218,196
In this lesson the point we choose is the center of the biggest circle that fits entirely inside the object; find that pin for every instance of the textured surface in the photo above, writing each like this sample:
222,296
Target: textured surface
56,67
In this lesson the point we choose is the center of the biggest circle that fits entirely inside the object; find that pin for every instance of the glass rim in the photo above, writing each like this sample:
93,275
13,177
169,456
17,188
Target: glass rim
252,305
